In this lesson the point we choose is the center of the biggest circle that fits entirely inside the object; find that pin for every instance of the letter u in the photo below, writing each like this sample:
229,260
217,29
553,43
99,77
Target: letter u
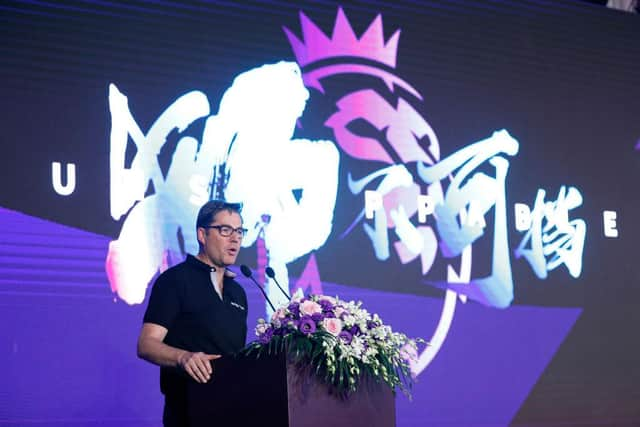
56,178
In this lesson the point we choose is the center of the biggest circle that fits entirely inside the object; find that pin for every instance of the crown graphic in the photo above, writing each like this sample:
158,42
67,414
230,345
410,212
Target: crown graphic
343,42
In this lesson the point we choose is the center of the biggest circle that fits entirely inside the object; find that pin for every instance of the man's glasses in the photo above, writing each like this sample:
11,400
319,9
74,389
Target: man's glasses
226,230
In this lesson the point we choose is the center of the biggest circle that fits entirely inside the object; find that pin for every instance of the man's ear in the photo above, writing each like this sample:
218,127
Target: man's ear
201,234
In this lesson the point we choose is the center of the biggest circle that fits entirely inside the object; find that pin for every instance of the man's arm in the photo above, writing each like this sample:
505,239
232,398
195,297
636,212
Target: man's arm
152,349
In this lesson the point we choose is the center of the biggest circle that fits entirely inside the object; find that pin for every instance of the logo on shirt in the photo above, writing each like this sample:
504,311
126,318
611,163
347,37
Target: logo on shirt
235,304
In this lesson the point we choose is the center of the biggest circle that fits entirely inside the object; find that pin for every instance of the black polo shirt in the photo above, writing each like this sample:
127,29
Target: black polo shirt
184,301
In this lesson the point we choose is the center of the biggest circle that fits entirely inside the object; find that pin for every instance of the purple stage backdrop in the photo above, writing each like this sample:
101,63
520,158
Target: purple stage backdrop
468,170
79,365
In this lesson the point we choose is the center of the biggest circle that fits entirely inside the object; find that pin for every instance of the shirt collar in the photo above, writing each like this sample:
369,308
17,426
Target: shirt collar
195,262
199,264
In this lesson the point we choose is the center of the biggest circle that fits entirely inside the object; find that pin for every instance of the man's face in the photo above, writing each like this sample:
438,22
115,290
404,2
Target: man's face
219,250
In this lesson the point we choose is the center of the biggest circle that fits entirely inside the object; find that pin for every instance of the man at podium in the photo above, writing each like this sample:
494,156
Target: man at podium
197,312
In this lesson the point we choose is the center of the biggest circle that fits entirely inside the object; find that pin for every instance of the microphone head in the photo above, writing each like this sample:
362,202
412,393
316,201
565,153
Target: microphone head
270,273
245,270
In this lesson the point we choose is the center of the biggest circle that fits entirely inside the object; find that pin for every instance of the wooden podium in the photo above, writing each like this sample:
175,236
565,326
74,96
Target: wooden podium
268,391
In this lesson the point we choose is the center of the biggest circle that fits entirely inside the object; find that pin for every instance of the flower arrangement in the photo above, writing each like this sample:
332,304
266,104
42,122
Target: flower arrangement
342,341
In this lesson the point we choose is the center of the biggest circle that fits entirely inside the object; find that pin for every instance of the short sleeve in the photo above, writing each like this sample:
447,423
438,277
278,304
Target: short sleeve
164,302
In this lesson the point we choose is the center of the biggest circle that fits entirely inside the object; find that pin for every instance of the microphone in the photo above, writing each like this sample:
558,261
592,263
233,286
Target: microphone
272,275
246,271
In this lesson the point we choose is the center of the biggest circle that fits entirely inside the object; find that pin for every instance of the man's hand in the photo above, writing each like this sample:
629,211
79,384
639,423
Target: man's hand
152,348
197,365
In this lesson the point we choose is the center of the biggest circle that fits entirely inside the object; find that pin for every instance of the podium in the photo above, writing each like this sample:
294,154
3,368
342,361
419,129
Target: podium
269,391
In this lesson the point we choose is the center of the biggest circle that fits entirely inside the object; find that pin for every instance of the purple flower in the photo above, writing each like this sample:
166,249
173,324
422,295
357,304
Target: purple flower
329,315
371,324
266,336
317,317
294,308
307,325
355,330
326,305
346,337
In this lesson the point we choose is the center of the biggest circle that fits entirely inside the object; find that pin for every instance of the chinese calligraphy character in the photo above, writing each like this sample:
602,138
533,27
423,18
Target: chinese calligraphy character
251,140
475,195
552,238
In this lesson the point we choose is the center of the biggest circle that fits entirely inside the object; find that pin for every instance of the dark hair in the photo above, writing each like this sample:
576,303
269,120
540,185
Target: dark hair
209,210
